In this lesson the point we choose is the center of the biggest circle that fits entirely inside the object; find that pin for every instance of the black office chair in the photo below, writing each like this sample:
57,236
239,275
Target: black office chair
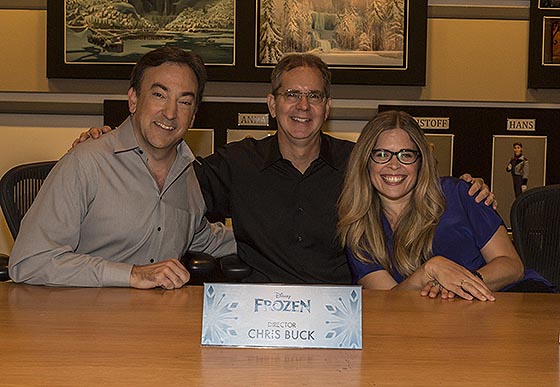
19,187
535,224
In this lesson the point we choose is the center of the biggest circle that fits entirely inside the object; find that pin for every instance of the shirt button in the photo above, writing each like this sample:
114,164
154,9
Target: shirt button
140,151
152,260
300,210
159,228
299,238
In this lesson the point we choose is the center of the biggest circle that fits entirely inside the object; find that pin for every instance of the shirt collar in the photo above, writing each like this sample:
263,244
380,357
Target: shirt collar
271,150
327,153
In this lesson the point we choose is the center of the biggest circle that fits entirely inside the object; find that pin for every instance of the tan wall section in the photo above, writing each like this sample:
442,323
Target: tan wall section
477,60
23,50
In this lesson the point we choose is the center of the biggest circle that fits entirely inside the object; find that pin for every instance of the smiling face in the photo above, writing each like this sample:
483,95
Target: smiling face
394,181
164,108
299,120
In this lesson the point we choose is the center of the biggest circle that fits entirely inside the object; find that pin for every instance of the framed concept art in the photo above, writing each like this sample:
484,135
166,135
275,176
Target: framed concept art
104,38
504,180
364,42
544,44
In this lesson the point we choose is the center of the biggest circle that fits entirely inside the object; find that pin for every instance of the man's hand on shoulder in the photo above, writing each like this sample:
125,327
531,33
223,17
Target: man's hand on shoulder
484,193
94,133
168,274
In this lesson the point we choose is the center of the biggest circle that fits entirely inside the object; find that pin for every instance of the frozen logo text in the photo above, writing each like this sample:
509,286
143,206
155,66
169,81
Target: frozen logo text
294,306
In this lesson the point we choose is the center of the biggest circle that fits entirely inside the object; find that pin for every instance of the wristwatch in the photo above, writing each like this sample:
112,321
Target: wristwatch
477,273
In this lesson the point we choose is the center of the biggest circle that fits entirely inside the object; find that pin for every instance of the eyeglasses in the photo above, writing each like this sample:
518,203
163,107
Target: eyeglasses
405,156
294,96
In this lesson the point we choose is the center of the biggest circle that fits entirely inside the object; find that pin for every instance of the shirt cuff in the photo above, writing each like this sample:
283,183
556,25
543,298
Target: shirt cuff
117,274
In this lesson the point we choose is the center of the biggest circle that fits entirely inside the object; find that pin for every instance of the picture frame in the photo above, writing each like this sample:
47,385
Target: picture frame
549,4
360,48
535,149
442,146
244,64
105,40
544,45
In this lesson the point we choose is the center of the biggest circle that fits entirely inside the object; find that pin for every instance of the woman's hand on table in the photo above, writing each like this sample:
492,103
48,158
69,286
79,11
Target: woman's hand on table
448,279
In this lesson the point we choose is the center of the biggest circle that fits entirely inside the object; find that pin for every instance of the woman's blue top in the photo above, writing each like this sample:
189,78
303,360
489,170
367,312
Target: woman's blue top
463,230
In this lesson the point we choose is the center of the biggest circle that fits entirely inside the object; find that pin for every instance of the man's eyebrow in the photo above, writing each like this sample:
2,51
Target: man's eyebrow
159,85
165,88
308,91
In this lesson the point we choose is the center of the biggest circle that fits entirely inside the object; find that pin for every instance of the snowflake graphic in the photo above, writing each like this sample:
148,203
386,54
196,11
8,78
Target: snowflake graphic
345,327
219,317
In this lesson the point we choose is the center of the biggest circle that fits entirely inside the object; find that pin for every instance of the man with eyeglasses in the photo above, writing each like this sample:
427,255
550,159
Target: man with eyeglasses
281,192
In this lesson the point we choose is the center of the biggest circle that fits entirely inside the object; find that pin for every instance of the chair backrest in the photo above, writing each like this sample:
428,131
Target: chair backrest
18,188
535,224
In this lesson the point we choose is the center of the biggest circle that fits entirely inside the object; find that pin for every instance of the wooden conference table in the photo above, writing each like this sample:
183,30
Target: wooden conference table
127,337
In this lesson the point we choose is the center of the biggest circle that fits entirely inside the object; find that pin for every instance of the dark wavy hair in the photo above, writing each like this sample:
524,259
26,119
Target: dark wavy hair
176,55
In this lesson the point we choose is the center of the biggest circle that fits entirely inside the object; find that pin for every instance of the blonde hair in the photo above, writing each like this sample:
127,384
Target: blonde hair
360,210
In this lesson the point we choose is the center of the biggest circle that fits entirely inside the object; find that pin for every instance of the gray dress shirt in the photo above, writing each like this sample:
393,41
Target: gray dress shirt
100,212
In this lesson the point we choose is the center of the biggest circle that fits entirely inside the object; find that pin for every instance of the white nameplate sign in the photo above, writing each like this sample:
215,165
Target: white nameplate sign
433,122
314,316
521,124
252,119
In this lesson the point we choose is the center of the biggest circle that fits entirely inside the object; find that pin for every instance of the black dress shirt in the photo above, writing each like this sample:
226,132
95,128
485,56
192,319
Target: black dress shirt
284,221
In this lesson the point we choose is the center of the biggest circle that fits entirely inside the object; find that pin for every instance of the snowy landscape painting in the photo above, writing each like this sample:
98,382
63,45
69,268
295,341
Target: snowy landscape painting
120,32
377,42
357,34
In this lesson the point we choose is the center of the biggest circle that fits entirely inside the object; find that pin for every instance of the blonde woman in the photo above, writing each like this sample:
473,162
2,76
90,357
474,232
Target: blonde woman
405,228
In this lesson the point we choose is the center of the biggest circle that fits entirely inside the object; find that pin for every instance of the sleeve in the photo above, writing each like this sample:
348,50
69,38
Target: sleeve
509,166
360,269
525,172
483,219
44,250
212,238
214,177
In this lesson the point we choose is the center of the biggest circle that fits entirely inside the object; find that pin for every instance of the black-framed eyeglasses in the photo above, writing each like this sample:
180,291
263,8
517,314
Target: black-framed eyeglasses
314,97
405,156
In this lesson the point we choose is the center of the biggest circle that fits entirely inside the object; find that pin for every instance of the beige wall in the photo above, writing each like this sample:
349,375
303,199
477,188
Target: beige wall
23,50
468,60
476,60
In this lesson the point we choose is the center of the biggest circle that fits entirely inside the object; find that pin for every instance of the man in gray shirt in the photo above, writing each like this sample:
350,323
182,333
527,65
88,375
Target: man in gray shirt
121,210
